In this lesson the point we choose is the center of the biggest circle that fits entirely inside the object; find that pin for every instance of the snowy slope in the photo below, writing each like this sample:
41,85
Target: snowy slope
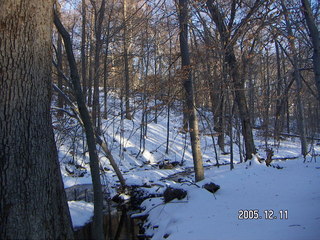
201,215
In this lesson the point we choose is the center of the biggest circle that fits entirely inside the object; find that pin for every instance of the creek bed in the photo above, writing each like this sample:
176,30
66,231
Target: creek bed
117,221
118,225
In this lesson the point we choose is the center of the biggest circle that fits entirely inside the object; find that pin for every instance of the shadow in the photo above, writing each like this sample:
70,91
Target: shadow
118,225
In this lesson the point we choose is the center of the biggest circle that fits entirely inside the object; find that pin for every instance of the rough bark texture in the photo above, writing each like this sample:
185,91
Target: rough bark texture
59,63
97,232
188,85
32,198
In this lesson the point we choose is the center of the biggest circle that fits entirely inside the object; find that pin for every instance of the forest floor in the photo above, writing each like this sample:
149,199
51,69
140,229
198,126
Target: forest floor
284,198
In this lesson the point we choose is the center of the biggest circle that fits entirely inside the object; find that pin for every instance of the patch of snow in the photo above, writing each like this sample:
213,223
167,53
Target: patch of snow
203,215
81,213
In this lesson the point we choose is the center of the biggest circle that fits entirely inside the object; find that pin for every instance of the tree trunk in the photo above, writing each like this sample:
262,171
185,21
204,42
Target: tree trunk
59,63
91,64
169,81
96,118
97,232
188,85
83,49
277,123
297,78
315,38
99,141
241,101
126,62
32,199
227,42
106,67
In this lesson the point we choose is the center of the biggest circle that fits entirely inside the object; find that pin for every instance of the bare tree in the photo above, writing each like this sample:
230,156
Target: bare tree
297,79
228,39
126,49
99,16
188,86
97,232
315,38
83,47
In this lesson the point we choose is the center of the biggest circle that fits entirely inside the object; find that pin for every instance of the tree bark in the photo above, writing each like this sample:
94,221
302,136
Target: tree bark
279,109
188,85
90,64
97,232
315,38
83,48
59,63
106,66
126,62
96,118
297,79
33,203
228,42
99,141
241,101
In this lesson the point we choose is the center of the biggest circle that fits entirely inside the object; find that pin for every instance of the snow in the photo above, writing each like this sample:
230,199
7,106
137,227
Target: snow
294,187
204,215
81,212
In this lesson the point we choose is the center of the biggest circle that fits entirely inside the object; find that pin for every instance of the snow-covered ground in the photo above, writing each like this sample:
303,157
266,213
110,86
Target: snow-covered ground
290,192
81,212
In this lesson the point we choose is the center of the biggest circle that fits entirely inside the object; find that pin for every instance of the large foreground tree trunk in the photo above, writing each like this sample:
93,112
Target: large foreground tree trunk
188,85
32,198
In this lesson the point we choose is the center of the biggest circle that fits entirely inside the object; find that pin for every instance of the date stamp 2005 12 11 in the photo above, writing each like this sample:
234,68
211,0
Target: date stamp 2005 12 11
268,214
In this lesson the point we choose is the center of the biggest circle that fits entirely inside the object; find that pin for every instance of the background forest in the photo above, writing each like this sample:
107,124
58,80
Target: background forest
243,75
194,116
253,64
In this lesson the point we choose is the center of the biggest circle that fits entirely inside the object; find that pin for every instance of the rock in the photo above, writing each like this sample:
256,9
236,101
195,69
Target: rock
76,170
277,166
211,187
166,164
121,198
166,235
172,193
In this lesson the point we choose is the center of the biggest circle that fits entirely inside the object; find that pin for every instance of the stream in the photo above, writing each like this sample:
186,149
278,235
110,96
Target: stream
118,225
